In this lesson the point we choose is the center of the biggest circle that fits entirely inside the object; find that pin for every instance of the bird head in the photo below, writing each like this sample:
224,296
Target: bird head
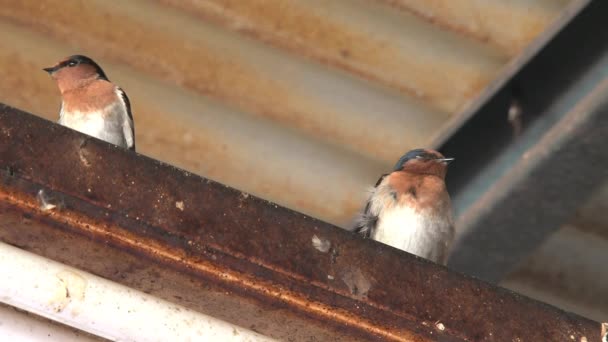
74,71
423,161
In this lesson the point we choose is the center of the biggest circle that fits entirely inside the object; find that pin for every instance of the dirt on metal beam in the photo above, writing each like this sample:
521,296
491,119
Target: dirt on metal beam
115,202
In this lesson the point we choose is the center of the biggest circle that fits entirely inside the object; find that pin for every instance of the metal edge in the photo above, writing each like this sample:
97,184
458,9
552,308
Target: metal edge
253,248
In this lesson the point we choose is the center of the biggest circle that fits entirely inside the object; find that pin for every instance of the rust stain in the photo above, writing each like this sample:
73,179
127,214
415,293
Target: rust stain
188,143
507,26
168,133
255,249
236,279
176,256
298,28
95,23
203,65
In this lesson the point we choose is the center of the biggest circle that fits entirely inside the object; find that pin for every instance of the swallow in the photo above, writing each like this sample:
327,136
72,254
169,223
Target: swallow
91,104
410,207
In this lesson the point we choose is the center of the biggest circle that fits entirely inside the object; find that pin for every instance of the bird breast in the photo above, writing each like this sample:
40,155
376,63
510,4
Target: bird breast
416,219
418,232
104,124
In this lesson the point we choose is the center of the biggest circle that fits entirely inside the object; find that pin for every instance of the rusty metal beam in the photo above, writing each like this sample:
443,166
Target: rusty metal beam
137,213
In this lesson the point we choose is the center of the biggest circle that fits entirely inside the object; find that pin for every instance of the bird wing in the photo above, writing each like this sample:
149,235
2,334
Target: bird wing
128,127
60,113
366,222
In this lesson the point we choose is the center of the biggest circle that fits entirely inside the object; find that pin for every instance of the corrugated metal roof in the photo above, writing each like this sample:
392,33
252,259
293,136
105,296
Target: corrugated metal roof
508,26
304,103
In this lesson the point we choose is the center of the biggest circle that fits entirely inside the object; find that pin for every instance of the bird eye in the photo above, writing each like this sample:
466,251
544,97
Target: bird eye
72,63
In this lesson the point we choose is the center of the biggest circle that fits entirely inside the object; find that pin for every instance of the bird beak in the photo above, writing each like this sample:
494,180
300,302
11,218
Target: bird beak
50,70
445,160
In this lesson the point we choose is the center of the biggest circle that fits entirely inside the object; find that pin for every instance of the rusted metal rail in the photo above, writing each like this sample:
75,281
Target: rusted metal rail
157,228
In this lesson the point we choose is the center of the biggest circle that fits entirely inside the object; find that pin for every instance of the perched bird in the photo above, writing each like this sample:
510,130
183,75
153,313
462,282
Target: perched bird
91,104
410,208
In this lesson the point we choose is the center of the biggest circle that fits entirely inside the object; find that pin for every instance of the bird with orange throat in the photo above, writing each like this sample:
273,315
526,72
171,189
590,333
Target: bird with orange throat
91,104
410,207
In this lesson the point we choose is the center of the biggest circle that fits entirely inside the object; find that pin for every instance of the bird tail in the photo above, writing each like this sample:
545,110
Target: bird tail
364,224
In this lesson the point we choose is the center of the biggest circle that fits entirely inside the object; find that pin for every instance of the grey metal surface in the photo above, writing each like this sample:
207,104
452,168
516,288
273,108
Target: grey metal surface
523,186
567,270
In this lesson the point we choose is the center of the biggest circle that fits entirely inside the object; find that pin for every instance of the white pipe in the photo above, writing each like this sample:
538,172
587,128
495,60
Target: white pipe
22,326
101,307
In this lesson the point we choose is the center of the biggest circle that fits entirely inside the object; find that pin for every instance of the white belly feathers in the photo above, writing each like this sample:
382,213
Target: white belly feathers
106,126
426,233
411,231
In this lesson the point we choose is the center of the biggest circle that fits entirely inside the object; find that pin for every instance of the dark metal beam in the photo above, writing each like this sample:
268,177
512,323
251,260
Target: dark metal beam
137,213
519,179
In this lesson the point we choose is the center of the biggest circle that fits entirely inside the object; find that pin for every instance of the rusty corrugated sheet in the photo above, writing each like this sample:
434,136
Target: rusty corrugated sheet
335,90
303,103
507,26
245,252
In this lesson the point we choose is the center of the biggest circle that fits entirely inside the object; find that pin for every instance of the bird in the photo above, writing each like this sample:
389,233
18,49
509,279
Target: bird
91,104
410,208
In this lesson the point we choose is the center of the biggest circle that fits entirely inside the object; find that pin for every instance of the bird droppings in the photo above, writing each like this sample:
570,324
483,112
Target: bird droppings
179,205
82,153
321,245
584,339
71,288
356,282
245,195
83,159
330,277
440,326
44,201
